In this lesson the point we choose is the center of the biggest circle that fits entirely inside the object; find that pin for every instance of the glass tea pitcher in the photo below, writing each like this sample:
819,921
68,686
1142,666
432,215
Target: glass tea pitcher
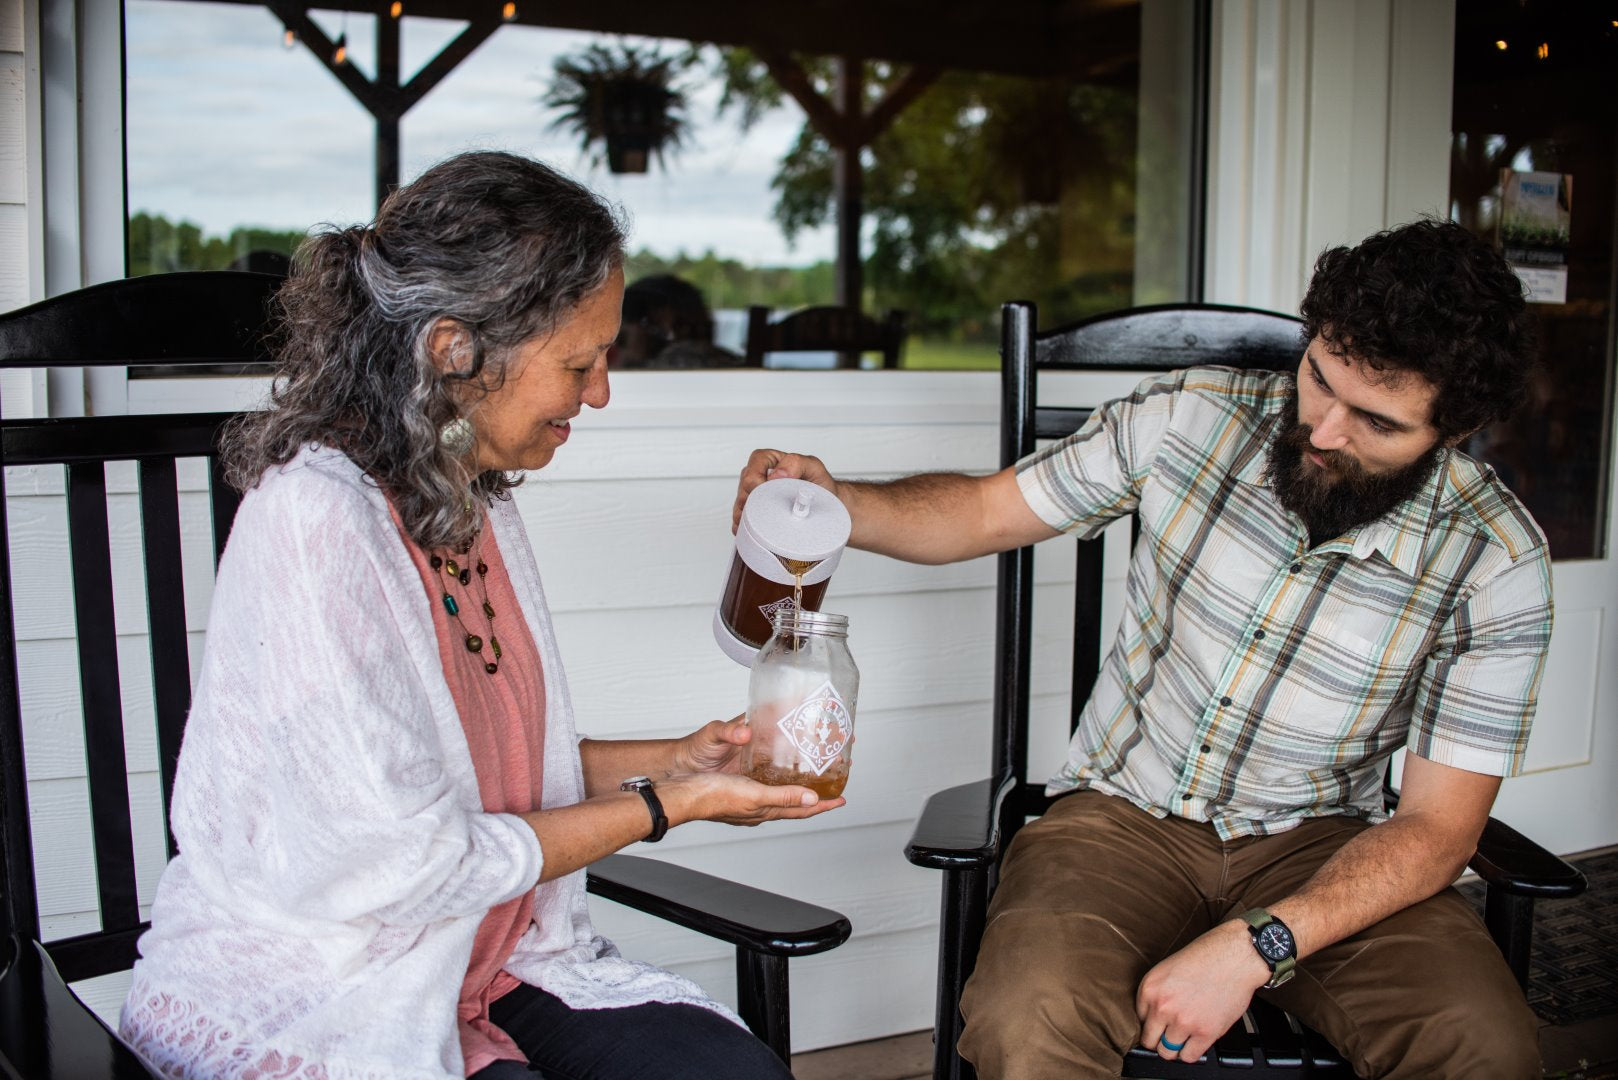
800,703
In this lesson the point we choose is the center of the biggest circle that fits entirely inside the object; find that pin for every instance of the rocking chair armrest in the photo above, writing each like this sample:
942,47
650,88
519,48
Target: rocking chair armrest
1508,860
750,918
959,827
46,1032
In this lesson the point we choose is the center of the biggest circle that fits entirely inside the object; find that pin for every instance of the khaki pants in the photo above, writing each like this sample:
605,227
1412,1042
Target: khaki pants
1096,892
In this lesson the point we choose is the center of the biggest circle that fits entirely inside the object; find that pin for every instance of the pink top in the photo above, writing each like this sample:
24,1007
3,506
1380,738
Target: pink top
503,716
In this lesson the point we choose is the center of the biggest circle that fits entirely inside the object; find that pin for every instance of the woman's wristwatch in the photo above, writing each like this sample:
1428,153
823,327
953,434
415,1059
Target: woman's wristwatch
660,821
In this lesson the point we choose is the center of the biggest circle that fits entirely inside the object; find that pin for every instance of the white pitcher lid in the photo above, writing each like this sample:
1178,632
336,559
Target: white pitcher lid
797,520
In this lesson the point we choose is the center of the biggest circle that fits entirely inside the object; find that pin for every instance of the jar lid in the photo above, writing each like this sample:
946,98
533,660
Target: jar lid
795,519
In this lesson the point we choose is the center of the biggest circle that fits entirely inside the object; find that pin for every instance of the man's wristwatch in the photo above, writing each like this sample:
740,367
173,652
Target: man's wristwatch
1274,943
660,821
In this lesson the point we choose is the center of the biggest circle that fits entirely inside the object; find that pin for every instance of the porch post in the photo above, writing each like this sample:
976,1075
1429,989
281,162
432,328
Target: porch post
849,188
387,114
849,183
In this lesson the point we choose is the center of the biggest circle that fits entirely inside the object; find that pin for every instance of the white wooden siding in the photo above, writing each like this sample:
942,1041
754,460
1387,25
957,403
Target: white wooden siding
16,388
22,394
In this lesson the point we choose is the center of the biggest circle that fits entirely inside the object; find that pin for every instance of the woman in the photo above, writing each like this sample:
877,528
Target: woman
381,806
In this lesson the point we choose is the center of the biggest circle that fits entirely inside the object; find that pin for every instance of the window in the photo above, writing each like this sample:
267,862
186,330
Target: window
1536,101
996,162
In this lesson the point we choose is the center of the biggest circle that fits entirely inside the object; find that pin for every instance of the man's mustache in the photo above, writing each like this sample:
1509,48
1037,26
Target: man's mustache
1299,437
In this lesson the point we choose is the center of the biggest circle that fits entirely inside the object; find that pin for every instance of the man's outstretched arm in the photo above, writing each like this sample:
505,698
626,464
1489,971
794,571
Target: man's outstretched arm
928,518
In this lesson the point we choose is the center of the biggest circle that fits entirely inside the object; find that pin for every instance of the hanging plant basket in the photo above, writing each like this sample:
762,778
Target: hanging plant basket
622,104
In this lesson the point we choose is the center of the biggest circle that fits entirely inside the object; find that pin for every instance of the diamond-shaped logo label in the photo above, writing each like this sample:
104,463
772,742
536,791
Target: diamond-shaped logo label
783,604
819,727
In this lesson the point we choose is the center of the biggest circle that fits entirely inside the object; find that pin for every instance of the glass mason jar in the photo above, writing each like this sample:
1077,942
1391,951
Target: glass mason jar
800,703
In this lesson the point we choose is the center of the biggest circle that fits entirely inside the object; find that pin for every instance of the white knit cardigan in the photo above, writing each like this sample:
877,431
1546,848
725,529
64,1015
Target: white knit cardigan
335,860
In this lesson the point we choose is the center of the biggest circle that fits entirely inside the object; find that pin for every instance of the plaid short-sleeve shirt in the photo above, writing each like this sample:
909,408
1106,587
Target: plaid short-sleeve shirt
1256,681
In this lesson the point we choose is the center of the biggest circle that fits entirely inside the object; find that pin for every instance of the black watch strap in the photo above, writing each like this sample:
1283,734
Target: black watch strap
660,821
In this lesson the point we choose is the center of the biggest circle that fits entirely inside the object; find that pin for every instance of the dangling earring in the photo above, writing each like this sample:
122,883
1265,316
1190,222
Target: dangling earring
457,436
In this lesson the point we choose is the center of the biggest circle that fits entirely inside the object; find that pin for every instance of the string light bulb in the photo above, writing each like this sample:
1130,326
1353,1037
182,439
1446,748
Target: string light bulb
1501,44
397,9
340,53
509,12
1544,49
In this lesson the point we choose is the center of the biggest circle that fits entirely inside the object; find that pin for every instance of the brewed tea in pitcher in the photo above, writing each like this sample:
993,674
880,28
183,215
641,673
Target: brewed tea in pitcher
788,542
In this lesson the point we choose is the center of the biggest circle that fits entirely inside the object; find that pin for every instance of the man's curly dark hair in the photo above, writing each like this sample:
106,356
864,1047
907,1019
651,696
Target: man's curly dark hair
1432,298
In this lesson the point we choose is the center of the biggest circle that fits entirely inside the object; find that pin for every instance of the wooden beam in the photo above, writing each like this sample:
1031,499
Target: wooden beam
295,17
837,128
909,87
383,97
478,30
1017,37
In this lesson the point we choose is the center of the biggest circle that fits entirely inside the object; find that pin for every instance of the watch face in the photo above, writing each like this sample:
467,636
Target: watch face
1275,942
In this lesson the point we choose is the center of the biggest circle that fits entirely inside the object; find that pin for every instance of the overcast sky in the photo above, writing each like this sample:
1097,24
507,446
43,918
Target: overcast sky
228,127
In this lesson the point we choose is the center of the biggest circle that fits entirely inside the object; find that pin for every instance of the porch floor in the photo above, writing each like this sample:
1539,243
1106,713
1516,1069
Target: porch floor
1572,985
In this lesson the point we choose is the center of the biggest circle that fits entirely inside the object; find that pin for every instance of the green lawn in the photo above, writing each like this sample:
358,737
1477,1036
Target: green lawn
921,355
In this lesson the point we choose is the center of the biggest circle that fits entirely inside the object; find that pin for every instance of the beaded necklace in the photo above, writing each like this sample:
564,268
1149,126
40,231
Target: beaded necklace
463,574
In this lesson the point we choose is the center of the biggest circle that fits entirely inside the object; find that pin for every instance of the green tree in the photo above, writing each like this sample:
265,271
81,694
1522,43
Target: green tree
159,246
985,188
728,283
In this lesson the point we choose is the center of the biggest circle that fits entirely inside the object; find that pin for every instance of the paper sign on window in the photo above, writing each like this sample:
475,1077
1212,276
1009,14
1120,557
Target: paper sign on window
1536,213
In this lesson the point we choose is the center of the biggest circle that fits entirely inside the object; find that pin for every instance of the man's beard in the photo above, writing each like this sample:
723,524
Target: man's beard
1343,495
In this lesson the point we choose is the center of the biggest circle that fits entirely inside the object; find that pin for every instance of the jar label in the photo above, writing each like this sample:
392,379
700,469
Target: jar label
819,727
783,604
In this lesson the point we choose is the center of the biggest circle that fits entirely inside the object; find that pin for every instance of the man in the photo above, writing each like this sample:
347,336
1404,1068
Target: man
1321,579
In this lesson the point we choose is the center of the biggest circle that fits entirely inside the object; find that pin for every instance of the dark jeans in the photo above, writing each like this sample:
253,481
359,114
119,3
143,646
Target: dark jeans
640,1042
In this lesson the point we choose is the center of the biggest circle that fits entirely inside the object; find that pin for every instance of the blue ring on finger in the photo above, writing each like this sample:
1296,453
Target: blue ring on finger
1163,1041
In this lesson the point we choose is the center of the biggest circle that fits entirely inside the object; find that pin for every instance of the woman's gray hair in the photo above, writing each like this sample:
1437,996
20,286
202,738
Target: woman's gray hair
503,246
